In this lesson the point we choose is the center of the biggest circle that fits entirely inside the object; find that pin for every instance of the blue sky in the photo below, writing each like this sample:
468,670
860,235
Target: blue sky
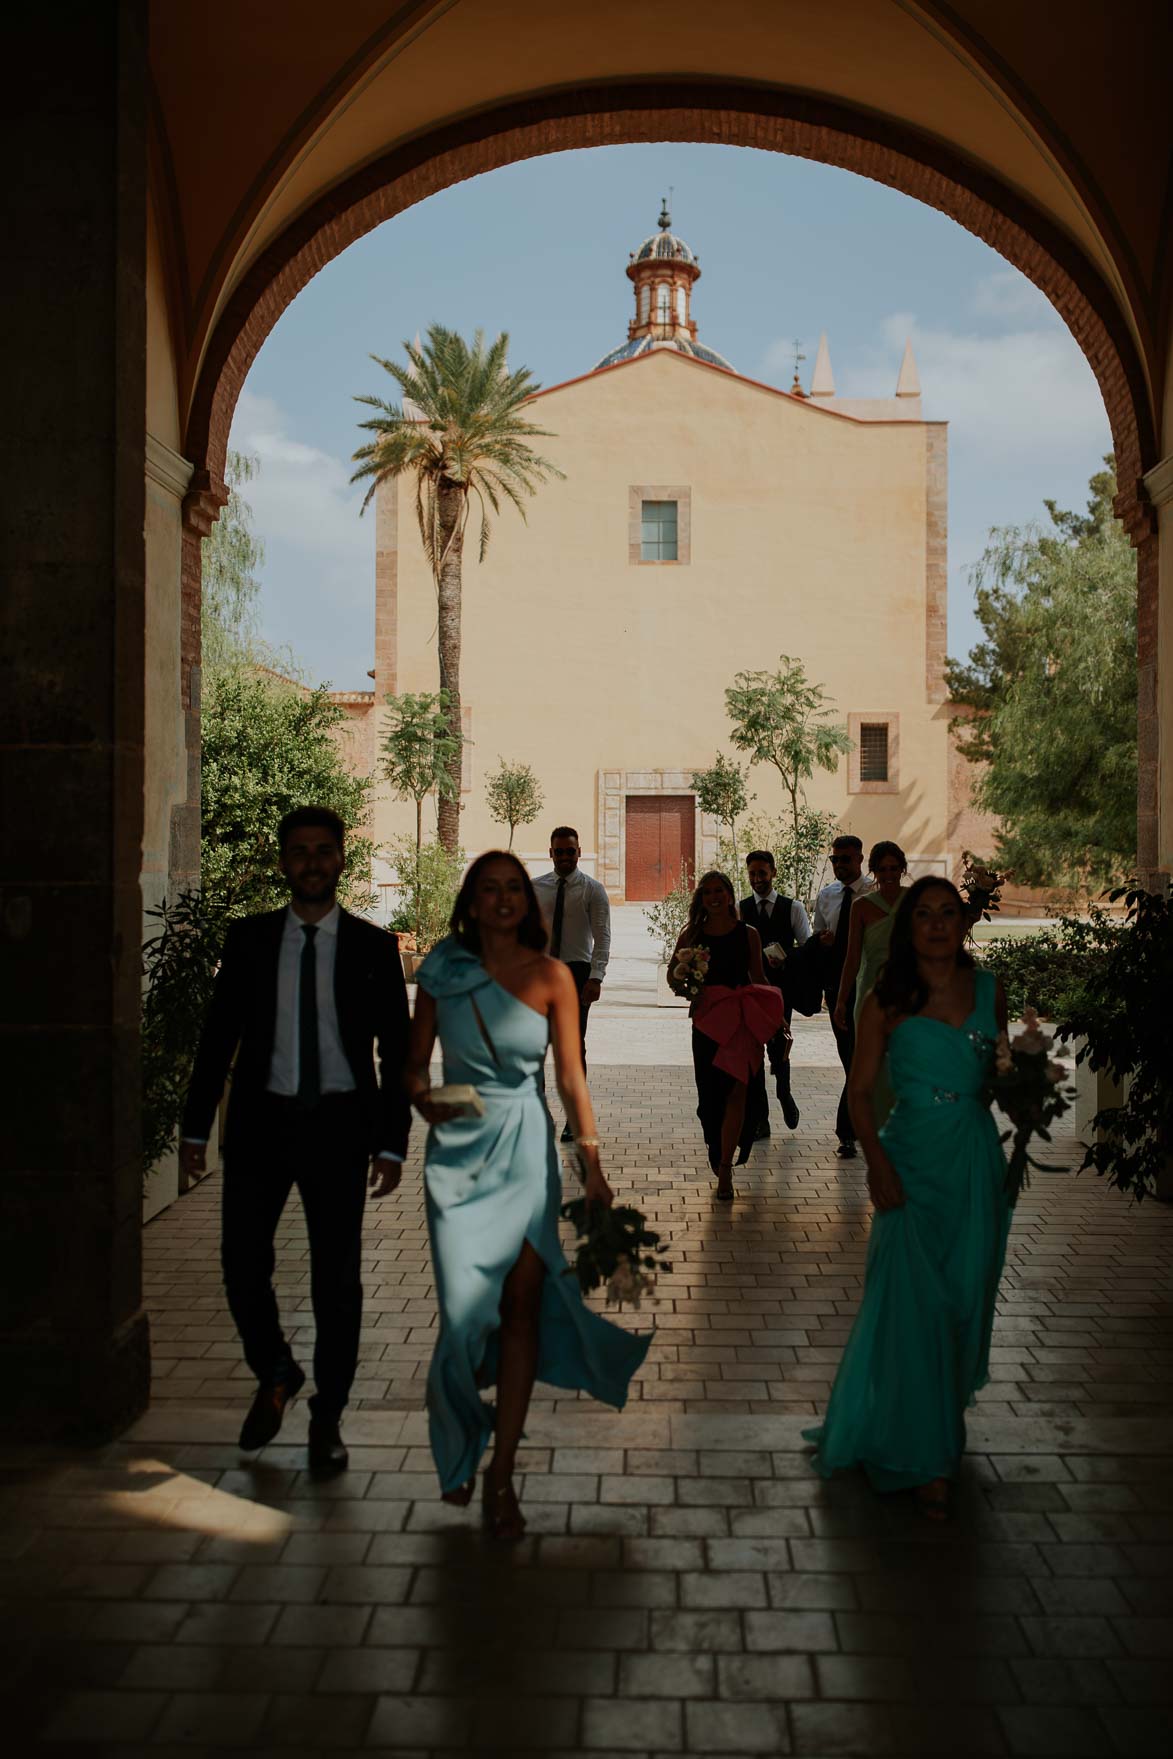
787,249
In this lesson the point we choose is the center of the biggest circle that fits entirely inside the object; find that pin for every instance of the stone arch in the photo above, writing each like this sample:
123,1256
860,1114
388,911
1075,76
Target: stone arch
738,114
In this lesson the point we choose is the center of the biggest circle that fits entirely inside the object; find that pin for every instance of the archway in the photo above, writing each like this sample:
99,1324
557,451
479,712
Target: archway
734,114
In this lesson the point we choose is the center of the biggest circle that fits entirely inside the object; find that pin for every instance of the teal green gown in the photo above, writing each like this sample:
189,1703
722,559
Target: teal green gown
491,1184
920,1347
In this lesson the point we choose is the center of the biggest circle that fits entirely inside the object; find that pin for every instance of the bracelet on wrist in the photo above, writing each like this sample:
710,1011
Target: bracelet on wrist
587,1141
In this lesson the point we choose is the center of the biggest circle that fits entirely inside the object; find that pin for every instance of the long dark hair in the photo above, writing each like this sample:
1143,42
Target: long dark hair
696,910
900,988
531,930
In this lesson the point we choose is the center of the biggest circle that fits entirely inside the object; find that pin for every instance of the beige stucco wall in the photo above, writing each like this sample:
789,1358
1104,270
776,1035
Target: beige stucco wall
808,537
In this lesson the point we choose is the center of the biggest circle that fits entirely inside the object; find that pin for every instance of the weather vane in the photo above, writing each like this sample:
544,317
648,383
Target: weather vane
799,356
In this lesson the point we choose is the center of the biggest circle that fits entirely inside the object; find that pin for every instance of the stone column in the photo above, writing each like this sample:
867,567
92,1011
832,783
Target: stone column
74,1356
1157,690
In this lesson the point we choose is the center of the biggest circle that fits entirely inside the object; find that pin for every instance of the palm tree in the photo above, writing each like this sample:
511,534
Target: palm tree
458,430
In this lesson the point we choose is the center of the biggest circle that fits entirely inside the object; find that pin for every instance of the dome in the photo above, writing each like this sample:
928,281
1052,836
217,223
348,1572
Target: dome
664,245
647,344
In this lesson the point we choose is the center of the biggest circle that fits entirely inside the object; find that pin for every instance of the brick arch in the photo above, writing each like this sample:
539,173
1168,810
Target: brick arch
769,118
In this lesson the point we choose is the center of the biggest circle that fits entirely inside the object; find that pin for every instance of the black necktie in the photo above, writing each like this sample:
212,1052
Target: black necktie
309,1075
840,948
559,913
763,912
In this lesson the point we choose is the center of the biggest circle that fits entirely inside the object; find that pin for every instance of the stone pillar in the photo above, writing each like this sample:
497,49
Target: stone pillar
74,1356
1156,707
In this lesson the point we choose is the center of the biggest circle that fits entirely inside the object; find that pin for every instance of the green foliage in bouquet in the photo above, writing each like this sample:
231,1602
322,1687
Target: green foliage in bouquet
1025,1085
179,964
1051,970
618,1249
1123,1012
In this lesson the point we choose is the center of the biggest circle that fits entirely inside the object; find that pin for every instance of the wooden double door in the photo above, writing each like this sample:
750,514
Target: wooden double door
661,835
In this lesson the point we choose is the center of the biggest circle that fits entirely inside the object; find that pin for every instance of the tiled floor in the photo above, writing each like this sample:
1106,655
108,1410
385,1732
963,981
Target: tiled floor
687,1585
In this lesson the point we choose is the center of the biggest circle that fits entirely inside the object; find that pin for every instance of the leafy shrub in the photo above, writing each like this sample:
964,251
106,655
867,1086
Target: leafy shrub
1050,970
179,964
429,879
668,917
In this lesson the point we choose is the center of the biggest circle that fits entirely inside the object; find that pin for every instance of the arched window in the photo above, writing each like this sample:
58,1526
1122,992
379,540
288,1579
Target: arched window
663,305
645,302
681,306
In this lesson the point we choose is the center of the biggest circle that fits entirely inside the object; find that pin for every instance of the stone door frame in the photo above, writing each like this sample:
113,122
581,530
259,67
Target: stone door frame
611,830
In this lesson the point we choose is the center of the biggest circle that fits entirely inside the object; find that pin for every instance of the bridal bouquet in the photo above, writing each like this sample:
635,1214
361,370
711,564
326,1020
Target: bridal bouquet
686,974
1026,1085
981,887
618,1249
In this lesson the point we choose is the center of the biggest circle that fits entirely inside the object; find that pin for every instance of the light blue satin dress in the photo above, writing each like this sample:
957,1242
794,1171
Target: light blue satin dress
492,1183
920,1347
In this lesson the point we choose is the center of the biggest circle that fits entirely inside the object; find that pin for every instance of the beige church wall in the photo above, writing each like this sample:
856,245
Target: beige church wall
808,537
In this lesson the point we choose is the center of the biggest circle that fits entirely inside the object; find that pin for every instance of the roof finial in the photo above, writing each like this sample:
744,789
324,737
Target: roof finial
822,379
665,221
796,389
908,383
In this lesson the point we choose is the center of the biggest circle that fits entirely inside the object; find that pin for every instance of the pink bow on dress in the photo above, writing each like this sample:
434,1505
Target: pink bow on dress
740,1020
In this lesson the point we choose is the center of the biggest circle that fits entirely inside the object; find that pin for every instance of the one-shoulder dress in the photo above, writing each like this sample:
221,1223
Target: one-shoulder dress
491,1184
920,1347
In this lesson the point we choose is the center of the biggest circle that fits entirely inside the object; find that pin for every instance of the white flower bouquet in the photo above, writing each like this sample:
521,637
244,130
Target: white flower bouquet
686,973
1027,1085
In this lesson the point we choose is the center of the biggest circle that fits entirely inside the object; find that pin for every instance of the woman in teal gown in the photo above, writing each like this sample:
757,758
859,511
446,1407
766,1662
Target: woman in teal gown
510,1308
920,1346
868,936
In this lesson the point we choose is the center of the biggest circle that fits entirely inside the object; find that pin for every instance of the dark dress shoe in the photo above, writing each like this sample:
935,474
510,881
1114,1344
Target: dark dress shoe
268,1409
327,1448
789,1110
762,1133
846,1149
567,1134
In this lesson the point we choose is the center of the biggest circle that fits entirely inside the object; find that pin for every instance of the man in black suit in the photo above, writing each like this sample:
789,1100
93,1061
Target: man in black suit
832,919
300,999
780,921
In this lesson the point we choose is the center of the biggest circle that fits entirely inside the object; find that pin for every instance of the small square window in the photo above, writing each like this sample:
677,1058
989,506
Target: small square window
658,531
873,751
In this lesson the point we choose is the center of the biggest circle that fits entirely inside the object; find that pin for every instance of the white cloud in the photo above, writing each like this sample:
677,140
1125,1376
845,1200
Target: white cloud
1008,295
1005,395
318,580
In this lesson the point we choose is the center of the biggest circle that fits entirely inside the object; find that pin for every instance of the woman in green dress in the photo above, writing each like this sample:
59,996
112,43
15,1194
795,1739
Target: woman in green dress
920,1346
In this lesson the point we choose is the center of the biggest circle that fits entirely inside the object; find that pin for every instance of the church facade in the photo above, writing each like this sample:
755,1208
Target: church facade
706,524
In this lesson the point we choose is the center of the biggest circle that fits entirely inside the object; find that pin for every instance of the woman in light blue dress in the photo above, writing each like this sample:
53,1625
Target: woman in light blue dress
510,1307
920,1347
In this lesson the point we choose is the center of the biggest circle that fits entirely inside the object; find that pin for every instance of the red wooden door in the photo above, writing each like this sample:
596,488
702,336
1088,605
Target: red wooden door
661,834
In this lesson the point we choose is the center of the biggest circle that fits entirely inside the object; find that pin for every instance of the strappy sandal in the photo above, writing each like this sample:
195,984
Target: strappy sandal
725,1191
502,1512
461,1497
932,1499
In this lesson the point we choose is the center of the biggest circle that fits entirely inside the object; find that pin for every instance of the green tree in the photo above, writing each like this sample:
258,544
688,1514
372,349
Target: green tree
720,791
417,751
781,718
458,430
1052,695
267,748
801,859
231,557
514,795
429,879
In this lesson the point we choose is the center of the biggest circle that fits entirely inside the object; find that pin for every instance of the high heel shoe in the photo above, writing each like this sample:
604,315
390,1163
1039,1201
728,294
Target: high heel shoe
462,1496
502,1511
725,1191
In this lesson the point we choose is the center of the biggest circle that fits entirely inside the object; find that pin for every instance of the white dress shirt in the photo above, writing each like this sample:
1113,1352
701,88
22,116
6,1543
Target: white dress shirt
799,921
337,1076
829,902
586,919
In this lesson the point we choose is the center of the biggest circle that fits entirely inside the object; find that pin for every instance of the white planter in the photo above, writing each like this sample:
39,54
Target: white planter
664,996
1094,1091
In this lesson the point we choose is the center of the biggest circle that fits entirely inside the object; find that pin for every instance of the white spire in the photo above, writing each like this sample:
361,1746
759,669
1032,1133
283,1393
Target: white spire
822,379
908,384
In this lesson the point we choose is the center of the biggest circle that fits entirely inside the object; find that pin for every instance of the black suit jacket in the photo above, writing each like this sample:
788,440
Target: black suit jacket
371,1001
799,978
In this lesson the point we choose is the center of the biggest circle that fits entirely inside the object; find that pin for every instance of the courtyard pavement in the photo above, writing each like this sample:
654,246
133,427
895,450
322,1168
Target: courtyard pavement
687,1584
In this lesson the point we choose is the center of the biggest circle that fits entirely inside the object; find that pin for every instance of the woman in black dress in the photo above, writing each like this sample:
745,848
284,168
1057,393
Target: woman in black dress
735,960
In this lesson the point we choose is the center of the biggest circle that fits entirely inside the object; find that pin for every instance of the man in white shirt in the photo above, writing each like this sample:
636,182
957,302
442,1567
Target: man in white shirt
577,914
831,921
301,998
783,922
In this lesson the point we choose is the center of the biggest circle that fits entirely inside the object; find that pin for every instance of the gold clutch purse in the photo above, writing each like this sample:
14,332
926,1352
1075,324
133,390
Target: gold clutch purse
462,1096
